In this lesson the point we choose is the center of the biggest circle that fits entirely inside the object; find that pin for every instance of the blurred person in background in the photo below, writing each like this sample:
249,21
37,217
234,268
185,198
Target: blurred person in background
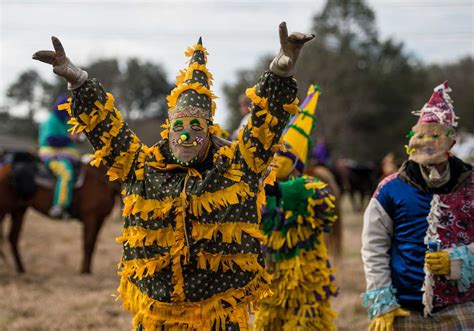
389,164
321,152
58,149
192,256
298,211
418,233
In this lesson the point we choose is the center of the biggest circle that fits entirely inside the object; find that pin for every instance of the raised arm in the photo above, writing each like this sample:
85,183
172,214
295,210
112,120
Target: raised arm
93,112
273,100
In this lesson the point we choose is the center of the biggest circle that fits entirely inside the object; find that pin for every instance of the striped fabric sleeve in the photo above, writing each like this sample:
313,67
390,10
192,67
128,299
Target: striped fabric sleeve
273,100
93,112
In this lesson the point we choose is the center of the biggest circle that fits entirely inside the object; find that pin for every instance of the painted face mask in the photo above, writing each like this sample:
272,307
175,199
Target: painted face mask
189,139
430,143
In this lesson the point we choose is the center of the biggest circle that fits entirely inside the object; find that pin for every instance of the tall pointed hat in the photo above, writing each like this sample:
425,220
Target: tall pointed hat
192,95
297,136
439,108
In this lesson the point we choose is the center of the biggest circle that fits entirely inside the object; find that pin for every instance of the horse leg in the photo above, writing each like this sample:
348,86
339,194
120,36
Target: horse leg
91,228
17,224
2,253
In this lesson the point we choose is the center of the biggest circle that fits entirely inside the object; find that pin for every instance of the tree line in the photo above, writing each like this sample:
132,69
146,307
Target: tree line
369,86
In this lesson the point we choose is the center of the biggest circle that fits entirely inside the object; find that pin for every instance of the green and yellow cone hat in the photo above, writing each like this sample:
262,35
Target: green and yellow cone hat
297,136
192,95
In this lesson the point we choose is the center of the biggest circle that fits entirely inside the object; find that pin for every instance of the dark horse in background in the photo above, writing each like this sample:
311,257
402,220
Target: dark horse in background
359,180
92,202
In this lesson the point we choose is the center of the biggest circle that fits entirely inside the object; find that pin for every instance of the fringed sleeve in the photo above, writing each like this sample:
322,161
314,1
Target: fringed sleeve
273,100
93,113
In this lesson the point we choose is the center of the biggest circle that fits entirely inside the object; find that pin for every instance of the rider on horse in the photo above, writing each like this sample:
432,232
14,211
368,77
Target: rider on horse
59,151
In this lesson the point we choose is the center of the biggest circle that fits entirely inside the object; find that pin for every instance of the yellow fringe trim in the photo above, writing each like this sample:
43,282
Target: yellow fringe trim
223,198
145,152
234,173
140,268
227,151
176,92
123,162
256,164
66,106
135,204
246,262
217,130
292,237
187,73
294,285
190,51
257,100
138,236
230,232
88,122
180,248
202,315
264,134
270,120
292,108
165,132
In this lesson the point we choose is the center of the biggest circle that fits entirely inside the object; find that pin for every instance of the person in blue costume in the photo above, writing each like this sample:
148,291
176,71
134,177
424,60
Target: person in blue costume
59,151
418,234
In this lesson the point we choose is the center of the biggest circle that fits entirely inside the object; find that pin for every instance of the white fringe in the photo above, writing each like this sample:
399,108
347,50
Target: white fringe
433,219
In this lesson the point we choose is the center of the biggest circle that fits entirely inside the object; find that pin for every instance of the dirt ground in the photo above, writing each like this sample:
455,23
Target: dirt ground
52,295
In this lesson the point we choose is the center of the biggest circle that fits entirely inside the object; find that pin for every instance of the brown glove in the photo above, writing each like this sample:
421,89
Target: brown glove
284,63
62,66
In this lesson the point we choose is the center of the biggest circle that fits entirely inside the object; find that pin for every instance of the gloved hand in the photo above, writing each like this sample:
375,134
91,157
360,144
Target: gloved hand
438,262
385,322
62,66
284,63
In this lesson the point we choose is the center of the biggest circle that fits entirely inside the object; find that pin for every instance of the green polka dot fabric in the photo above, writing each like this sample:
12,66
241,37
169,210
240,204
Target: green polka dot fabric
192,253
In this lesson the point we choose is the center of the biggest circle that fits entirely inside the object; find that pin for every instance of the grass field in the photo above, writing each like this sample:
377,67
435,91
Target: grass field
52,295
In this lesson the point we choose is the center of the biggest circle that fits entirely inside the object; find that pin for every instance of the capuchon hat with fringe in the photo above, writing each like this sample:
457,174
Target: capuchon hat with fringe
439,108
297,136
192,95
431,139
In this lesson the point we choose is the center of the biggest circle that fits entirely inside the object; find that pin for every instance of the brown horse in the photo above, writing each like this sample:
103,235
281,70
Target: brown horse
93,201
323,173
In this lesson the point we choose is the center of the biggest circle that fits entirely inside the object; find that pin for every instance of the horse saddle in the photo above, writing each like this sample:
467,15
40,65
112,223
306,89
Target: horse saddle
44,177
29,170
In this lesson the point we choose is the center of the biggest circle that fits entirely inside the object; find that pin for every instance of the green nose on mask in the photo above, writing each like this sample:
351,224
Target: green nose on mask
185,136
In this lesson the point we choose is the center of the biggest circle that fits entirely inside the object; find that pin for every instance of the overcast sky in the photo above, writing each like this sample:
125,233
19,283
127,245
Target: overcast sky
236,33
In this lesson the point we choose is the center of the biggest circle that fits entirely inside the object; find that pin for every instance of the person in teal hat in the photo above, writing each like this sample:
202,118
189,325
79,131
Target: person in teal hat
59,150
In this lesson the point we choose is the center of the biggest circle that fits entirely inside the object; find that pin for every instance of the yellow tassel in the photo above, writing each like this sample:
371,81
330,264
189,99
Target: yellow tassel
135,204
138,236
165,132
264,135
257,100
200,89
229,196
246,262
140,268
188,73
230,231
190,51
292,108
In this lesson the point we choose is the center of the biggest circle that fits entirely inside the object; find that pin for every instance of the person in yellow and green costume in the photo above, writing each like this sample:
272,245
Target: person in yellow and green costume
298,211
59,151
192,256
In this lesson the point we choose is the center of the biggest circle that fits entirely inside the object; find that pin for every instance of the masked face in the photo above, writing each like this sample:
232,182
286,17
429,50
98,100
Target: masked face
285,167
430,143
189,139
